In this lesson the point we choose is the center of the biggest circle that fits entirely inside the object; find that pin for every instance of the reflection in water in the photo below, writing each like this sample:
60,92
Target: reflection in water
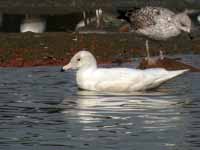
91,103
134,114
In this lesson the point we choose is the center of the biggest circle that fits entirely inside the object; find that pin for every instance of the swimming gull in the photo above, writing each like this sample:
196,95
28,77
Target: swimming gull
90,77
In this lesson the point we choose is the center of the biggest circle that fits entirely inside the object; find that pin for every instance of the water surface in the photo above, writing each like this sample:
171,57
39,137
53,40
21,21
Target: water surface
41,108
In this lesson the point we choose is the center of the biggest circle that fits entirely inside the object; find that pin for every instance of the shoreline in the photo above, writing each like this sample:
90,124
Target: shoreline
55,49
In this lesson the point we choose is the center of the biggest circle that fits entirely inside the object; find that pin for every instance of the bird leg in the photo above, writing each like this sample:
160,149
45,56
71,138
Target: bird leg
98,17
147,49
161,55
85,18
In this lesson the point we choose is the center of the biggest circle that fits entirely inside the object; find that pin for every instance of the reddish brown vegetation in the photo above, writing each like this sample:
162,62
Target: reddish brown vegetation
41,57
167,63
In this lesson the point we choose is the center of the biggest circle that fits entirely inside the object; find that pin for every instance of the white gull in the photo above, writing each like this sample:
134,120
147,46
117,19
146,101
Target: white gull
90,77
33,24
198,18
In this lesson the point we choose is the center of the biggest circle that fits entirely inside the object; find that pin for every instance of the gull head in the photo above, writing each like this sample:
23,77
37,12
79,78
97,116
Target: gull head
81,60
183,22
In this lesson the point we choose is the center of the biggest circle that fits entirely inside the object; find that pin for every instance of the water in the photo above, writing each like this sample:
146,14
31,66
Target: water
41,108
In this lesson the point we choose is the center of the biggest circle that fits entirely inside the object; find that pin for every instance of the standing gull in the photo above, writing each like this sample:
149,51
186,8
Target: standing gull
90,77
156,23
33,24
87,19
198,18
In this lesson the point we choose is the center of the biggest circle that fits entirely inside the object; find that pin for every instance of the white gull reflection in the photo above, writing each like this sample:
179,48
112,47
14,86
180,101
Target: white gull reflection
140,116
150,108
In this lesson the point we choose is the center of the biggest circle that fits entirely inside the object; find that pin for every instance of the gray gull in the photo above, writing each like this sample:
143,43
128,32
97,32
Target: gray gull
156,22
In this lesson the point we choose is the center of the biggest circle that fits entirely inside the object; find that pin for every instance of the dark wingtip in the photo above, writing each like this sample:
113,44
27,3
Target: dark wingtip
122,15
190,36
62,70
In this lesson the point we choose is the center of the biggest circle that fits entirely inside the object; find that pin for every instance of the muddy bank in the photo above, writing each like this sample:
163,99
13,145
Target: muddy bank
18,50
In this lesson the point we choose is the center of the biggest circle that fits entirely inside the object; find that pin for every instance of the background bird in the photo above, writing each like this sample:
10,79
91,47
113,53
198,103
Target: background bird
156,22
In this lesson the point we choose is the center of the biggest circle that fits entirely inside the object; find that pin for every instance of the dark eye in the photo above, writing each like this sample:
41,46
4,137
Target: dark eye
78,59
182,24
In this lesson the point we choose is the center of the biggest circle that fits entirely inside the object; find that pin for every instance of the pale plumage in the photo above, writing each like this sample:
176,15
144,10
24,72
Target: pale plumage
33,24
90,77
198,18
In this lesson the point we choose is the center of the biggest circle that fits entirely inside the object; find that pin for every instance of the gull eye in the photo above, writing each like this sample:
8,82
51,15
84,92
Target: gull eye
78,59
184,25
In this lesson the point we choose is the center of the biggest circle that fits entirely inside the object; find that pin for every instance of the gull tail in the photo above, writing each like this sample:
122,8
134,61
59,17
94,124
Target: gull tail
166,77
172,74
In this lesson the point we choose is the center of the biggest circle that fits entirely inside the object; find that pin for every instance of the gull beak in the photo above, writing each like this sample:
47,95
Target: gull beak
65,68
190,36
188,30
185,29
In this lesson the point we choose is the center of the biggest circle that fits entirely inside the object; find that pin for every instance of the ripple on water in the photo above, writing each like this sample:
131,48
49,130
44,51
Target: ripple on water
41,108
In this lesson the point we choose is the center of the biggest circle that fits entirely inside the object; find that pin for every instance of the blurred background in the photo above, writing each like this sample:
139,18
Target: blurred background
64,15
60,28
